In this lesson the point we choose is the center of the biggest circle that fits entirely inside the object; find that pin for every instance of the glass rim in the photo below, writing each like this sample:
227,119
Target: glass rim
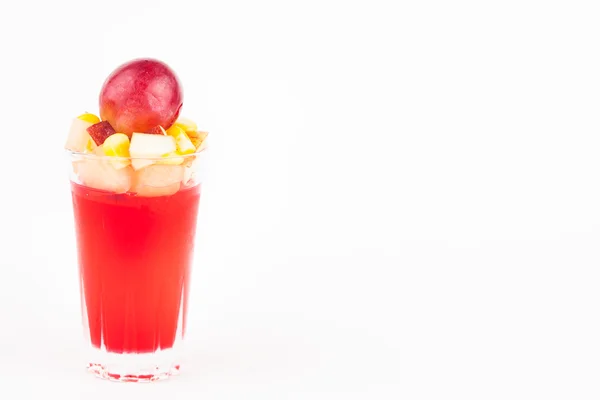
91,156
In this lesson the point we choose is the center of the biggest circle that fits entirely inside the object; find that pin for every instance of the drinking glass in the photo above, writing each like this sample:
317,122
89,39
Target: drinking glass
135,225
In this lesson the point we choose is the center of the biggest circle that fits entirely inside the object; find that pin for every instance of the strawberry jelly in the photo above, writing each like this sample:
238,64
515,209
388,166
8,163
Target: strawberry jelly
135,256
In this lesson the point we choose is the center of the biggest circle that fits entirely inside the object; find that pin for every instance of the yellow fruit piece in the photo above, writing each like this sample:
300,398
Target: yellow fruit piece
175,130
183,142
186,124
117,145
89,117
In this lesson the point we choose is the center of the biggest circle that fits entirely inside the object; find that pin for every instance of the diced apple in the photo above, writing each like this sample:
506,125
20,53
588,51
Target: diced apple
145,148
157,180
100,131
78,136
100,174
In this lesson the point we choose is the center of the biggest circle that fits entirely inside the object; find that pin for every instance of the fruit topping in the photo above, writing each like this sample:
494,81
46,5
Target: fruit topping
100,131
117,145
145,147
184,145
139,144
140,95
78,137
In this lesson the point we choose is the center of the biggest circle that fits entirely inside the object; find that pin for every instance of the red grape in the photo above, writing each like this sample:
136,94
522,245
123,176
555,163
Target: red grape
140,95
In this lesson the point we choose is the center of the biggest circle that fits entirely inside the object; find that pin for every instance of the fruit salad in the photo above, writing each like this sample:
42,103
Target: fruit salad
138,143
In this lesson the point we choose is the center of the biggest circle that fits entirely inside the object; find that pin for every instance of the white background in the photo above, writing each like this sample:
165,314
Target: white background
403,200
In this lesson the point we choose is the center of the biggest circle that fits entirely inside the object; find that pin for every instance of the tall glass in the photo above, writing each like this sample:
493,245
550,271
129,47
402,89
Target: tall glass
135,230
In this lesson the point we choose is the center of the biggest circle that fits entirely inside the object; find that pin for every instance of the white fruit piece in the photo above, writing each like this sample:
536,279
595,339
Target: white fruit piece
100,174
78,137
158,180
146,146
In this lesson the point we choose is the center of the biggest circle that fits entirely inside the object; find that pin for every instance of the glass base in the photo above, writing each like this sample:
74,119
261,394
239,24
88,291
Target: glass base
148,367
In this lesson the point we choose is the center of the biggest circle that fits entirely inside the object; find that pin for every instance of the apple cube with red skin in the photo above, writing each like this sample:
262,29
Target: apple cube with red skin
100,131
140,95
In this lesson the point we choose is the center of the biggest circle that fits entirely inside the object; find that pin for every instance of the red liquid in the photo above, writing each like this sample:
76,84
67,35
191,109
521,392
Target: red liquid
135,255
